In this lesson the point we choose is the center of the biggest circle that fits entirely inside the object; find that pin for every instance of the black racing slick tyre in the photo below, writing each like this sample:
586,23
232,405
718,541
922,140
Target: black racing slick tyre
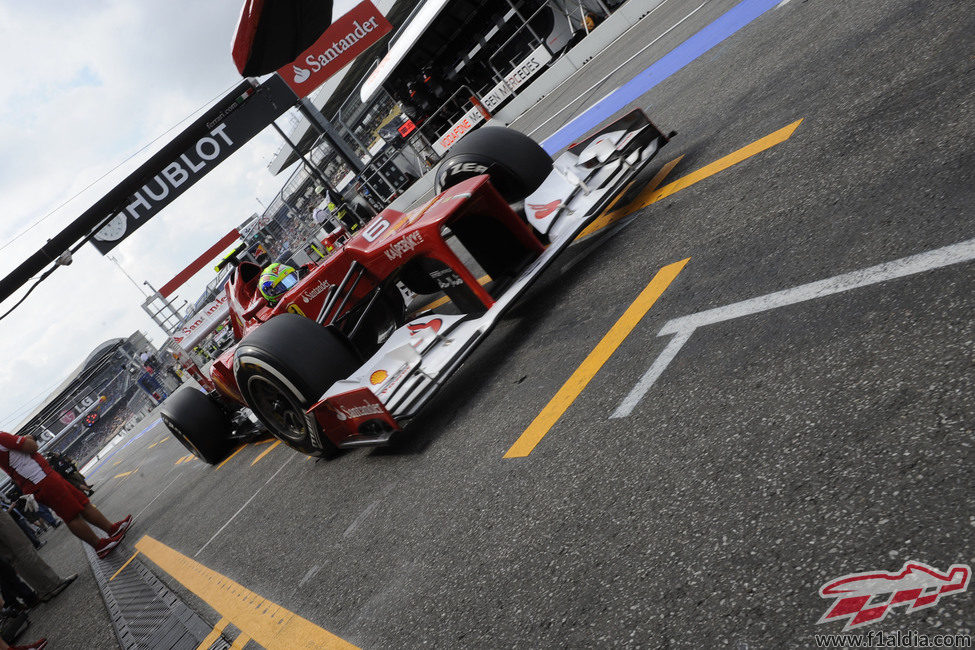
283,367
198,423
516,164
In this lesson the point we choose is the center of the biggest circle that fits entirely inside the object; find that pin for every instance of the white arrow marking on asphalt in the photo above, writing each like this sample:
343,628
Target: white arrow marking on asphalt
684,326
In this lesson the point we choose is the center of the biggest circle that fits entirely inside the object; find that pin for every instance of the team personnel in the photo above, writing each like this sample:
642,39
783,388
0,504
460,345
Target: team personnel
16,549
33,475
69,470
40,644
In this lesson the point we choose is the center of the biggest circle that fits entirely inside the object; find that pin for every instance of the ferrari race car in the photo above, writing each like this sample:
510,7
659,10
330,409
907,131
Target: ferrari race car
339,361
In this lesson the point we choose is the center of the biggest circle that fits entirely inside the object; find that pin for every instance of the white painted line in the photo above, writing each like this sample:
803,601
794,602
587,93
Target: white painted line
244,506
156,497
312,572
617,68
782,4
937,258
684,326
362,516
659,365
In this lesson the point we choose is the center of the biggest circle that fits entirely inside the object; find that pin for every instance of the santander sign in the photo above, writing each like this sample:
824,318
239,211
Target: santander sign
343,41
204,322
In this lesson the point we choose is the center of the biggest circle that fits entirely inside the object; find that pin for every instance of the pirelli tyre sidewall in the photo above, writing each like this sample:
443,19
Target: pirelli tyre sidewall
516,164
198,423
283,367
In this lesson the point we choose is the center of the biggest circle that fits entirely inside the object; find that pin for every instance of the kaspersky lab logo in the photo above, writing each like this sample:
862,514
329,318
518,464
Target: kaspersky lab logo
865,598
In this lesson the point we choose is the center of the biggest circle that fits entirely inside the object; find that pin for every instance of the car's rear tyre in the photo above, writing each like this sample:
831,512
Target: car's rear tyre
198,423
516,164
283,367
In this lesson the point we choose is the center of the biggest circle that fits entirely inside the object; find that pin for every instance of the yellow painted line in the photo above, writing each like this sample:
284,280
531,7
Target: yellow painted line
118,462
268,624
236,451
240,642
484,279
185,459
760,145
265,452
214,635
599,356
651,194
262,442
125,475
154,444
610,216
123,566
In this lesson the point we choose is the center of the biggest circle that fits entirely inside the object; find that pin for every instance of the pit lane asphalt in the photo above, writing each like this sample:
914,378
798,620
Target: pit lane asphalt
775,453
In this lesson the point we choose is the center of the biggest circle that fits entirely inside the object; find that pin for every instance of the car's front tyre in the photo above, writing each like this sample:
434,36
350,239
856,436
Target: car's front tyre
283,367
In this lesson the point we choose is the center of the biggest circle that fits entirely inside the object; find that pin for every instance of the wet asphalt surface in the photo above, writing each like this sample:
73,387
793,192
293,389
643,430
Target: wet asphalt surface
776,452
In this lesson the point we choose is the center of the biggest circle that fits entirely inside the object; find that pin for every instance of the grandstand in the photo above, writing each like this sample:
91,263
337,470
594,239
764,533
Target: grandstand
98,398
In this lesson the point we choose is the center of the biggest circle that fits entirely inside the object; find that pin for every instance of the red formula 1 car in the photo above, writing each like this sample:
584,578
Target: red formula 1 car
339,361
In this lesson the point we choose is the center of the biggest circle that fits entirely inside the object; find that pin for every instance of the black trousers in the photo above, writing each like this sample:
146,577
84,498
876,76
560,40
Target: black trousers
13,588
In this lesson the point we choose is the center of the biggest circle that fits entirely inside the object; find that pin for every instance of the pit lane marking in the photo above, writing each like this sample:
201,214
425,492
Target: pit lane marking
267,623
666,66
127,562
239,643
607,48
611,216
158,494
124,476
683,327
214,635
265,452
117,449
776,137
224,461
246,503
591,365
651,194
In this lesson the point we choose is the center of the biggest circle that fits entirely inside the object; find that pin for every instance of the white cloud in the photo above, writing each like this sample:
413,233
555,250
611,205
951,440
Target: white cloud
86,85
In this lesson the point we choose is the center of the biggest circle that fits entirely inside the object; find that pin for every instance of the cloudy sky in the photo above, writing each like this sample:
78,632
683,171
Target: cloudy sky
86,86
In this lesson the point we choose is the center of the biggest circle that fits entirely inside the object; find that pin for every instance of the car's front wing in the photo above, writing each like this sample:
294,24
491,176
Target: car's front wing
393,385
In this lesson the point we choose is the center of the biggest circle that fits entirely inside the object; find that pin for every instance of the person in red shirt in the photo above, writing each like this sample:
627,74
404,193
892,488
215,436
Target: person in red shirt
33,475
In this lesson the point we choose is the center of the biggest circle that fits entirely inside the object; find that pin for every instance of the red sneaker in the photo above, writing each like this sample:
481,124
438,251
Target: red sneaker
40,644
106,545
121,527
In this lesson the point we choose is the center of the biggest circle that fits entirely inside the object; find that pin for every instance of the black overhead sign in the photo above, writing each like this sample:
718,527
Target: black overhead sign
241,115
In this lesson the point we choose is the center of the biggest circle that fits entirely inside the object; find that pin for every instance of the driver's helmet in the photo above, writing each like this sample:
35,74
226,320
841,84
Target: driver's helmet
275,280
